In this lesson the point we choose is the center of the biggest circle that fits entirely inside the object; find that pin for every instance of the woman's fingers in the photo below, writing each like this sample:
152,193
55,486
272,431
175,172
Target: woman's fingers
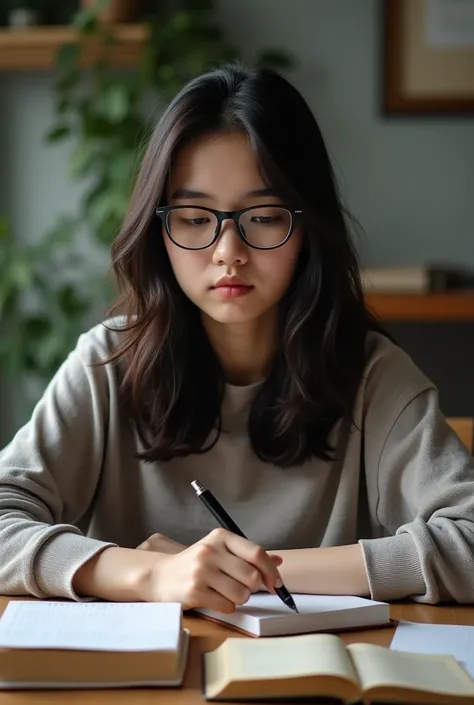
244,574
251,553
213,600
228,587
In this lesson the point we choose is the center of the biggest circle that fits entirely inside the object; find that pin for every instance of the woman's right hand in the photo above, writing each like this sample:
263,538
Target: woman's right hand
218,572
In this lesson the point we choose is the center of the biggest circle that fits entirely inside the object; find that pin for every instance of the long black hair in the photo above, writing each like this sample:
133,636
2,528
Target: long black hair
173,384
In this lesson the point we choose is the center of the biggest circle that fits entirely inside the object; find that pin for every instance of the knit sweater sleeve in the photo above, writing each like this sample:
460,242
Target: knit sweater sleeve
48,476
423,500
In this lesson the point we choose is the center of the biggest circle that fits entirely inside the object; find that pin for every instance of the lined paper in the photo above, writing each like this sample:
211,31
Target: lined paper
97,626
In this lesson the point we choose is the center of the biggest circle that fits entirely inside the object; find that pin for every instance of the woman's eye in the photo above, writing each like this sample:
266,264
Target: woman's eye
196,221
264,220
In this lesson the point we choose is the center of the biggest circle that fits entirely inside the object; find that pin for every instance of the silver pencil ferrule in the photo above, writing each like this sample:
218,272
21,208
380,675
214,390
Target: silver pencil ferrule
197,487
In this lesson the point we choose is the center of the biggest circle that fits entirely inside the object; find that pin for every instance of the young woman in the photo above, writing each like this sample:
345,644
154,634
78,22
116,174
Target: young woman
246,360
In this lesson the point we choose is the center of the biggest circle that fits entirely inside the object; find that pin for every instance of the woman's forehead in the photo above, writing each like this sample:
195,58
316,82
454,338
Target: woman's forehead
215,165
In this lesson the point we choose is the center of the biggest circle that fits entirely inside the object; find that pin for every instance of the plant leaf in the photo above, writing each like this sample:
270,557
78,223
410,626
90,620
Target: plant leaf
4,229
83,158
67,58
85,21
114,103
58,132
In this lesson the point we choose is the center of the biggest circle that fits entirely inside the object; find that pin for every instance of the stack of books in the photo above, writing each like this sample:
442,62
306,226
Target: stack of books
421,279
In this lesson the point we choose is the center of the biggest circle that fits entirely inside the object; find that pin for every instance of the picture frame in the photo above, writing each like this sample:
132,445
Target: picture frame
428,57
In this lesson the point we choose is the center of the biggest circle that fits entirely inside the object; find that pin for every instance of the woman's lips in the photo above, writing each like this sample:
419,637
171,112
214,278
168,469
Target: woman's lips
232,291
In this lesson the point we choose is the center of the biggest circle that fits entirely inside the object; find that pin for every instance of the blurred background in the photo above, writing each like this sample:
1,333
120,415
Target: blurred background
81,83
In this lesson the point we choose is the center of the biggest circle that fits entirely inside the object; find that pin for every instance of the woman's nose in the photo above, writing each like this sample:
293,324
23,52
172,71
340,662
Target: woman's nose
230,248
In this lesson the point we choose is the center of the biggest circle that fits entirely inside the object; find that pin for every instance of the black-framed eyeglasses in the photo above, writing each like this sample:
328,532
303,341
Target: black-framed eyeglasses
263,227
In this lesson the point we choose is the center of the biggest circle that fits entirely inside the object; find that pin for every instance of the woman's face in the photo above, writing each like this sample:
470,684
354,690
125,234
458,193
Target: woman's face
220,171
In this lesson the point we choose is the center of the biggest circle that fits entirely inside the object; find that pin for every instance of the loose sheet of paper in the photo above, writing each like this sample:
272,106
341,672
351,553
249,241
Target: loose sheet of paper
97,626
437,639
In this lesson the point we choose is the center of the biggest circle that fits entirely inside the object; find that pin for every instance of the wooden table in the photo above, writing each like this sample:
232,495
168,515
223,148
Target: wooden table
207,635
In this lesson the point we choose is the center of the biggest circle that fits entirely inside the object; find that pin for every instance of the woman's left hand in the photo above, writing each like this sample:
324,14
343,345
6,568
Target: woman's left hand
159,543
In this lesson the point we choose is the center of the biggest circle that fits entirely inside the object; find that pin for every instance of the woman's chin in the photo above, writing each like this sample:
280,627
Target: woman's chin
233,320
231,316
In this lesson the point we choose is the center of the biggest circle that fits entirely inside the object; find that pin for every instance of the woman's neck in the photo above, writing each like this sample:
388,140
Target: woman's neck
245,350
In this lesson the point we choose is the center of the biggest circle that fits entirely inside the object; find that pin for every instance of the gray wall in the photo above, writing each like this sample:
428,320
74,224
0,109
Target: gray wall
409,181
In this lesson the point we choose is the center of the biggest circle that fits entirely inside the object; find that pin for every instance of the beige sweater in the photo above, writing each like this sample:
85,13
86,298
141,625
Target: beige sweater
403,485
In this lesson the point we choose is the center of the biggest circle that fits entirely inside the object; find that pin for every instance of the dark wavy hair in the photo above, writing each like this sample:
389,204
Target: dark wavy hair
173,384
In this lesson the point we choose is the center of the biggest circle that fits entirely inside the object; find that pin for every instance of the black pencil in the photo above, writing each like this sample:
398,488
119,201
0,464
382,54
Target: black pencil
220,514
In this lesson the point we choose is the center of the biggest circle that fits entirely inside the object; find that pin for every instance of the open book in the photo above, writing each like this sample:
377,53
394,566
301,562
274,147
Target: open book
320,665
265,614
99,645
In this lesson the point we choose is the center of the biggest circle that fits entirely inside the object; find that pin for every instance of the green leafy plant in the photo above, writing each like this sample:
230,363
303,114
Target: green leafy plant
38,311
101,112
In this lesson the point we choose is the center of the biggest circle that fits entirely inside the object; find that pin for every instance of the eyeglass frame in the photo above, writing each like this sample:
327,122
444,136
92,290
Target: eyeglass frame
163,213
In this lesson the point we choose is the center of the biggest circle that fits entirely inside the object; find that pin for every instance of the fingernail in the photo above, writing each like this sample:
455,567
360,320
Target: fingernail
278,583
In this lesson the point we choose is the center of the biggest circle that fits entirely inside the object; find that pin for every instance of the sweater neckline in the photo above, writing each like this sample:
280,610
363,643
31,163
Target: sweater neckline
238,398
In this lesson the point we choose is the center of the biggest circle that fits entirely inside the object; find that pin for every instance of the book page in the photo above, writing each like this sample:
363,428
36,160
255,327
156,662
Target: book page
380,667
295,656
97,626
437,639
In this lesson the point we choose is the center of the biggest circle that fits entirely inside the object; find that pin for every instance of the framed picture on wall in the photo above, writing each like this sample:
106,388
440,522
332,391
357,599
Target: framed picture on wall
428,62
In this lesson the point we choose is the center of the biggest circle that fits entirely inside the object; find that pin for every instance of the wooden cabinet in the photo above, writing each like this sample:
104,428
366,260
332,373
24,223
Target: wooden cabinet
453,306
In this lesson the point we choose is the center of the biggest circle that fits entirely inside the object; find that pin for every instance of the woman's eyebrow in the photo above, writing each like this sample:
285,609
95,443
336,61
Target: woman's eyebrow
259,192
190,193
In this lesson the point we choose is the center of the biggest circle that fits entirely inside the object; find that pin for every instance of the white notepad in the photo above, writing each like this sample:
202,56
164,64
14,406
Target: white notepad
95,644
458,641
265,614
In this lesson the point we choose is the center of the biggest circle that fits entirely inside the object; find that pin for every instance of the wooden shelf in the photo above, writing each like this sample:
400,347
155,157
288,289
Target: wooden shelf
454,306
36,48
